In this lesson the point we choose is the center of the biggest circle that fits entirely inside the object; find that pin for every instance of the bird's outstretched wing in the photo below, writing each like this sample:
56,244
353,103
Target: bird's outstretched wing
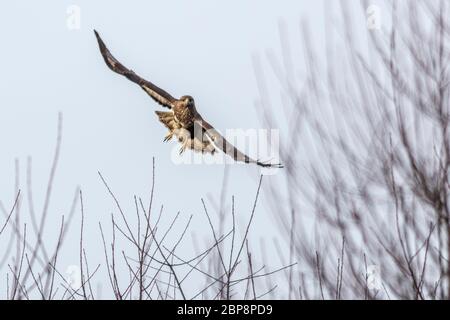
158,94
222,144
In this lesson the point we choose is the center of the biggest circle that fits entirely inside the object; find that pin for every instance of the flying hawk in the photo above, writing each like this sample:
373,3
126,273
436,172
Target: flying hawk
183,120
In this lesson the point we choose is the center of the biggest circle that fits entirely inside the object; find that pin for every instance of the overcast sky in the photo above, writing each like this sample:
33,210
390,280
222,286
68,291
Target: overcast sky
202,48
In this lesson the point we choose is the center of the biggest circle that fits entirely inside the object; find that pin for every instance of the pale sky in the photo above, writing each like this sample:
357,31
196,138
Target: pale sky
201,48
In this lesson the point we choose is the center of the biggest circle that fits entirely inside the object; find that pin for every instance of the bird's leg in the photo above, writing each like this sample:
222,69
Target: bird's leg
168,136
184,143
183,146
184,139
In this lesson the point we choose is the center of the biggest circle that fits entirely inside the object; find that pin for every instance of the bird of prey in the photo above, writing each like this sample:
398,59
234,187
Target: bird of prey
182,119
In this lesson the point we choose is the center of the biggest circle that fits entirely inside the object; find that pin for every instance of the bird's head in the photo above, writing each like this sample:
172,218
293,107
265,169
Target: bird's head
189,101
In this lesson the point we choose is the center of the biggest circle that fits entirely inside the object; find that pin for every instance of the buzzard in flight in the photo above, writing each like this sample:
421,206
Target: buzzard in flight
183,120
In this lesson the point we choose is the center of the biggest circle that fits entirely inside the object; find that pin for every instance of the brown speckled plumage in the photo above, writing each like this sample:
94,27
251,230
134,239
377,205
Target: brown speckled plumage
184,112
183,120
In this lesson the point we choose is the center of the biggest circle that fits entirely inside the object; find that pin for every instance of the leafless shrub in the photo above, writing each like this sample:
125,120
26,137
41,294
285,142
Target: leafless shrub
367,154
142,259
